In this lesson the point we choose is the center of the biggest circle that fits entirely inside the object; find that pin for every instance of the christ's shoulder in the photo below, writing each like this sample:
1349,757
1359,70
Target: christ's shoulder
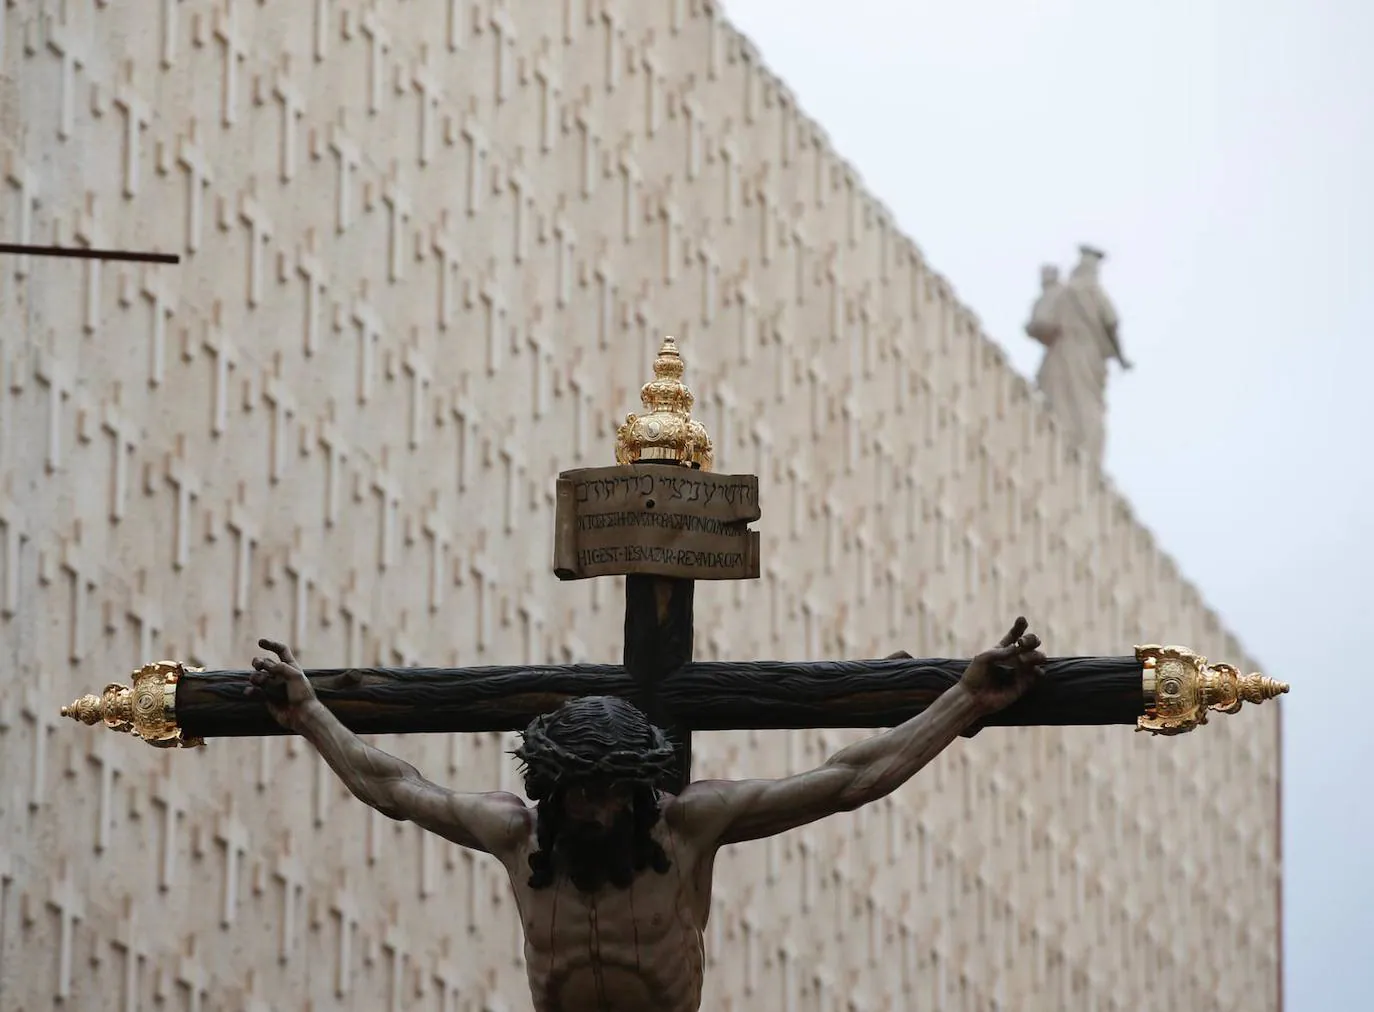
696,813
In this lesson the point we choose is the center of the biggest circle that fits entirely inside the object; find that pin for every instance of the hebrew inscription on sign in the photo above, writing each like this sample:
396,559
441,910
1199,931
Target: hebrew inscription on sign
656,521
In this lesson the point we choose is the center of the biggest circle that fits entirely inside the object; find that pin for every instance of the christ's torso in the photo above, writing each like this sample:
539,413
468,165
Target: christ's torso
639,949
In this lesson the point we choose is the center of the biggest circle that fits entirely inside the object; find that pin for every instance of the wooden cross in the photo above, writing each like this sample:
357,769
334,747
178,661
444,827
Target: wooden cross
663,520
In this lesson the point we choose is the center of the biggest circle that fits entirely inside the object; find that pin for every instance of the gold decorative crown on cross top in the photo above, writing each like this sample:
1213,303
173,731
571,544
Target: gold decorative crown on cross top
667,432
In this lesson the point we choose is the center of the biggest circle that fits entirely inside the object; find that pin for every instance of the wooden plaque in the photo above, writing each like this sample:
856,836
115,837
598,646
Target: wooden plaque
655,521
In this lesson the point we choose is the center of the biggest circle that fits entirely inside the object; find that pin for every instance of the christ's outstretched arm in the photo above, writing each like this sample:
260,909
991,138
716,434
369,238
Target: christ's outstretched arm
489,822
733,811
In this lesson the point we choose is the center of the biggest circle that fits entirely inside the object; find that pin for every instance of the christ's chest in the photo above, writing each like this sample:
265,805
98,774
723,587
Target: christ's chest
563,923
637,949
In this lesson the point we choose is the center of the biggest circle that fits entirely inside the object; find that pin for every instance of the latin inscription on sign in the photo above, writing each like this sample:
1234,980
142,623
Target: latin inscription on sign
657,520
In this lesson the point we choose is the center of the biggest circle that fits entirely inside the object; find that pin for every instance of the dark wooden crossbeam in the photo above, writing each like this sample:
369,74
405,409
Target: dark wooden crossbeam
698,696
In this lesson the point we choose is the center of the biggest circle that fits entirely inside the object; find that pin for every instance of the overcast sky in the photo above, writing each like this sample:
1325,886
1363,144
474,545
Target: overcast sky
1222,152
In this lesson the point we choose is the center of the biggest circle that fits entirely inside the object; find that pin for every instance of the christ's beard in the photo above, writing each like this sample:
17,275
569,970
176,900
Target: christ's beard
593,856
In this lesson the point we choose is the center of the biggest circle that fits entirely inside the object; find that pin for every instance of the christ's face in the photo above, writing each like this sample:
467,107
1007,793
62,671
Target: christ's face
594,808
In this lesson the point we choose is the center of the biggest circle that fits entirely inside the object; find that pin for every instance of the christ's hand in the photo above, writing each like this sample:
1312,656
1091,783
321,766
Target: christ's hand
281,683
999,677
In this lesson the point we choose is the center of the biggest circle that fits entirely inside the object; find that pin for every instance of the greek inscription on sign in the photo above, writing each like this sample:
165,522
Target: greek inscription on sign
656,520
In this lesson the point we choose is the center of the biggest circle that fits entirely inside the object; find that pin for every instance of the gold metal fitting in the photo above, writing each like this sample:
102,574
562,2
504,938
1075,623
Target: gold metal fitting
1180,687
146,709
667,432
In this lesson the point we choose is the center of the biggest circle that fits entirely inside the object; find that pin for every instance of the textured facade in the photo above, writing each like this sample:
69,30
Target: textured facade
429,248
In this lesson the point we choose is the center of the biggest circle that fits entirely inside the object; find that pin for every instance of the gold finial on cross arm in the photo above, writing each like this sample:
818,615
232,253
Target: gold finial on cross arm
667,432
146,709
1181,686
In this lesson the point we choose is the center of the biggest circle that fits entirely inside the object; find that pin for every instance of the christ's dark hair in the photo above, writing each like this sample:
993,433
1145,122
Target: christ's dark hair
595,738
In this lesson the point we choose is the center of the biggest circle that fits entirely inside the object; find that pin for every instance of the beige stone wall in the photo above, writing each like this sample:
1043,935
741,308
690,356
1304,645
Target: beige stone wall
429,248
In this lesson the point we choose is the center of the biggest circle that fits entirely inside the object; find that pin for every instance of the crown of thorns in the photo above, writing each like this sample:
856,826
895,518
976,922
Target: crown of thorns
602,737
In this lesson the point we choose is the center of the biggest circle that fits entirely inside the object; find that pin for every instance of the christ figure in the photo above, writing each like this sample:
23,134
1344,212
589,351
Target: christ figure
612,874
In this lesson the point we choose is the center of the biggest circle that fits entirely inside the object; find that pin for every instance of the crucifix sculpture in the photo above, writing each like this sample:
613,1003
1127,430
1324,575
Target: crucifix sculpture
606,749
